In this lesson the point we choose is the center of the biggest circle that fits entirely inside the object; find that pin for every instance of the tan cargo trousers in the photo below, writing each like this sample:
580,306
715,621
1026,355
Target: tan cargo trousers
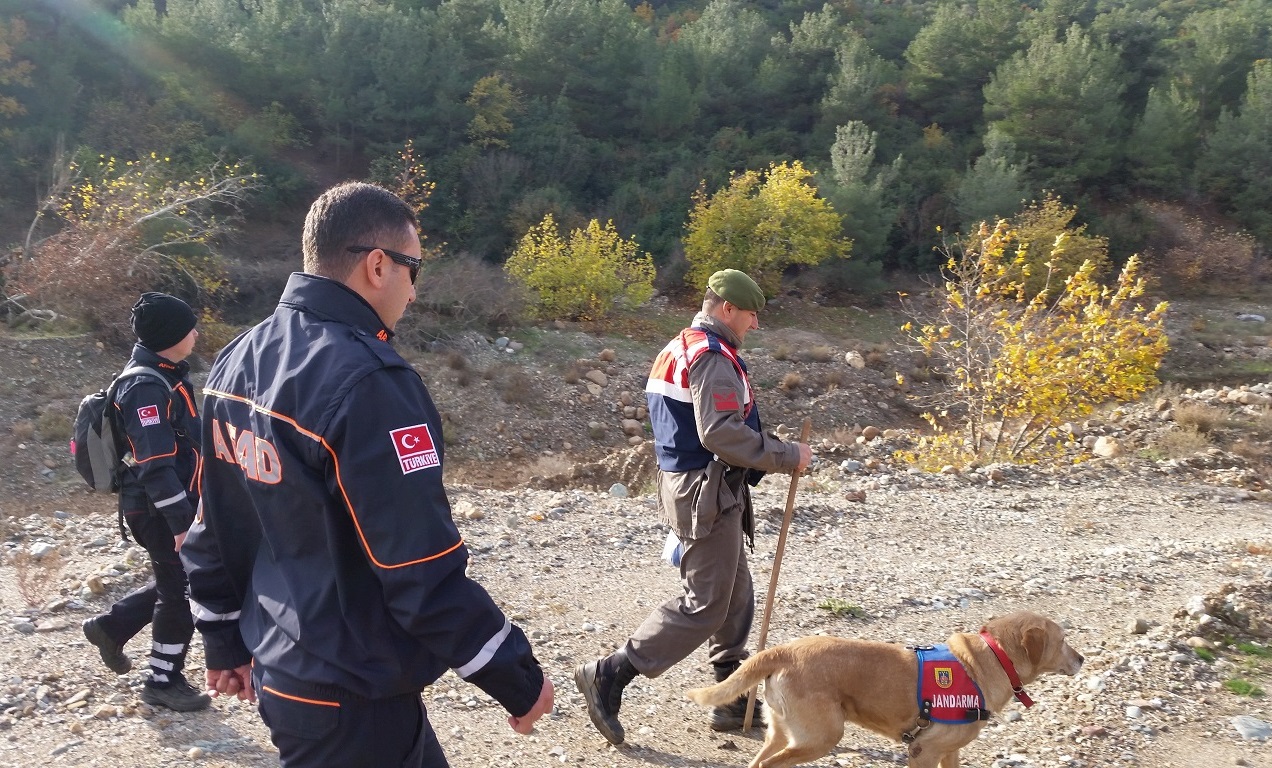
717,606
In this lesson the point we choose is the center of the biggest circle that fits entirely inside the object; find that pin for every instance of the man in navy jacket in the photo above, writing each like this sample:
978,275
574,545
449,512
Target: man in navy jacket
325,551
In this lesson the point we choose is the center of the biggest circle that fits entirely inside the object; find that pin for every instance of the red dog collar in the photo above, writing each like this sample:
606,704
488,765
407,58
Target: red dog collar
1009,668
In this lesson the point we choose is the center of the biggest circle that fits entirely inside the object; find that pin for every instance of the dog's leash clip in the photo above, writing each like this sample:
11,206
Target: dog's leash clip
925,719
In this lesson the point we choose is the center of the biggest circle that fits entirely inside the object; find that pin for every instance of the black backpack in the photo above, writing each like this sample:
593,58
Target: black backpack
96,439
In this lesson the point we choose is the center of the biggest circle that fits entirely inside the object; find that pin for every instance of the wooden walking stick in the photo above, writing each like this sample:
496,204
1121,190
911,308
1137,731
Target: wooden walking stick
777,566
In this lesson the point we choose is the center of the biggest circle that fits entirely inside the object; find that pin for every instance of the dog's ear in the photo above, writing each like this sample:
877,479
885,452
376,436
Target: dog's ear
1035,643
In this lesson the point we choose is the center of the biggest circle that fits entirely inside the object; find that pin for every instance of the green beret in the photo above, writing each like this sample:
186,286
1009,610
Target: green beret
738,289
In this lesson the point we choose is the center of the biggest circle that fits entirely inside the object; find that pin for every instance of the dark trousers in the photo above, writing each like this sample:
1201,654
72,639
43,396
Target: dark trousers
164,601
327,728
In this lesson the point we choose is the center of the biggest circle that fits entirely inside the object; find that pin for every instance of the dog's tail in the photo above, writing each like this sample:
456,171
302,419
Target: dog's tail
753,670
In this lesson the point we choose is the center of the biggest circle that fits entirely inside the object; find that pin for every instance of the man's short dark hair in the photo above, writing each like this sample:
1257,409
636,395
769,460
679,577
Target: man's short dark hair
711,301
349,214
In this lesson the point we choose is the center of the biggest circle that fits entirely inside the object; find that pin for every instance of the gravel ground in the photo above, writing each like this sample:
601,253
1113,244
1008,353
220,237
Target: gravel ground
1101,549
1143,559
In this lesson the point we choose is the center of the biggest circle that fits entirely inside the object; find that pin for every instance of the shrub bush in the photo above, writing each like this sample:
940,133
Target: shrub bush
1022,363
761,223
584,277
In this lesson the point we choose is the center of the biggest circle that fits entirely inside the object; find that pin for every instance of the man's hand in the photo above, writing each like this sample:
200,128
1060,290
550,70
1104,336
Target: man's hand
525,724
232,682
178,540
805,457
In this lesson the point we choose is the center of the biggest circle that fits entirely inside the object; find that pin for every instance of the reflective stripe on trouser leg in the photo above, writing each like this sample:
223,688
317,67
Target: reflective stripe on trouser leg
172,625
166,659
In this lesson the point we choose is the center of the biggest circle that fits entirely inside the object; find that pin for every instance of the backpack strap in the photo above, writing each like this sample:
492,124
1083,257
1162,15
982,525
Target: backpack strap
136,370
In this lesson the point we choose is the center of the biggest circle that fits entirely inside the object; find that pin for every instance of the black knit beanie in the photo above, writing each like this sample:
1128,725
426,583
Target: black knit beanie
160,320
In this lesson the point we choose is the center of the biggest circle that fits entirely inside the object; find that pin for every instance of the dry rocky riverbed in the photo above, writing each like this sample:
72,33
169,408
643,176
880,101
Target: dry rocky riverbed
1142,557
1131,560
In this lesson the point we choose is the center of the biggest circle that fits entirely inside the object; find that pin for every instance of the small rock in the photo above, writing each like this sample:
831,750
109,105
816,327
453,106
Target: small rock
1107,447
80,696
66,747
618,491
1252,728
1137,627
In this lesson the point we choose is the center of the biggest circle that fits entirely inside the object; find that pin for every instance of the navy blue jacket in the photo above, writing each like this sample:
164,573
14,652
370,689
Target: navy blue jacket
161,430
325,548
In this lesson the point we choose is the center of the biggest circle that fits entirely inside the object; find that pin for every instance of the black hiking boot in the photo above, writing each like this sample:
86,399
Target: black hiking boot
112,652
177,695
731,716
602,682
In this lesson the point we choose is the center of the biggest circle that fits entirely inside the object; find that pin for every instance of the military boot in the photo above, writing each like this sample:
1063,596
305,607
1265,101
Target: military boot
731,716
602,682
177,695
112,652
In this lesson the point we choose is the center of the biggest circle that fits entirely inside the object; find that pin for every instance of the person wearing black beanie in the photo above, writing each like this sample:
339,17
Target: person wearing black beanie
162,321
154,408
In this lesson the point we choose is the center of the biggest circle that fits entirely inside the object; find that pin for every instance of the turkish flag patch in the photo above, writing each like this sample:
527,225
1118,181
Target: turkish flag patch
725,402
415,448
149,415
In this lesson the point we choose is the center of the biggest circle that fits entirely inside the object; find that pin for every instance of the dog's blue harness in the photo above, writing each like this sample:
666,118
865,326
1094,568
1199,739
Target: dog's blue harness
945,692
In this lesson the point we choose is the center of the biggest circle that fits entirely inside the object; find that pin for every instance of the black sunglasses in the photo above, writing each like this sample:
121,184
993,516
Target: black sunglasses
410,262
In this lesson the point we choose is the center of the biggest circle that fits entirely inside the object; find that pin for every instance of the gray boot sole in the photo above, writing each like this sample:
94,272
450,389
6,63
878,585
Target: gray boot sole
585,680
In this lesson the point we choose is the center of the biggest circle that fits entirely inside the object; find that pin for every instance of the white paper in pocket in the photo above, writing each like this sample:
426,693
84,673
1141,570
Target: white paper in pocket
673,549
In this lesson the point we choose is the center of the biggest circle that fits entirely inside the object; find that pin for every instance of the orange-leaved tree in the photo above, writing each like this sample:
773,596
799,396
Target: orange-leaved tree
1020,363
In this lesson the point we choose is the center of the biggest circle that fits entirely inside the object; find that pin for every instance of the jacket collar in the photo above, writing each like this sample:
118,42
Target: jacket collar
708,323
174,371
332,300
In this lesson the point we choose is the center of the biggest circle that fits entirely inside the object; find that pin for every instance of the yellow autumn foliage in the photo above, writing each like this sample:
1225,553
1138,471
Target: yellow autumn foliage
584,277
1022,363
762,223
